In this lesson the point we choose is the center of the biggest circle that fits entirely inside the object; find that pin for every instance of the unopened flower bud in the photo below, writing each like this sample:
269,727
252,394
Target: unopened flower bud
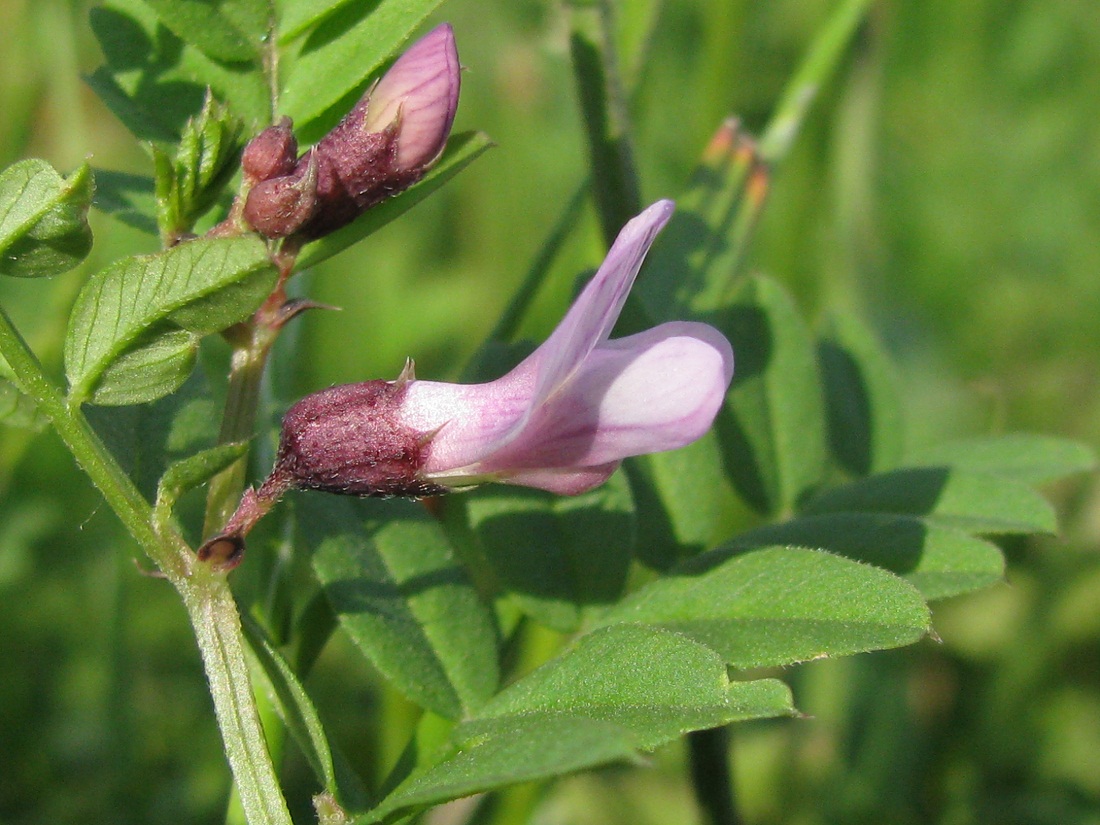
392,136
281,206
419,95
272,153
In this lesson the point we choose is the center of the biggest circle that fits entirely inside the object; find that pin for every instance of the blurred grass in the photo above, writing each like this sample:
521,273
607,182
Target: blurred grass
947,186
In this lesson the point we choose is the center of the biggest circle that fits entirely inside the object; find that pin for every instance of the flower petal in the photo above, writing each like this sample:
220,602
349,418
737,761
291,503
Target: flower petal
594,313
654,391
423,86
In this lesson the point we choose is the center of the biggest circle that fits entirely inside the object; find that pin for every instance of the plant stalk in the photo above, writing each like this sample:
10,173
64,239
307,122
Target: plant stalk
205,592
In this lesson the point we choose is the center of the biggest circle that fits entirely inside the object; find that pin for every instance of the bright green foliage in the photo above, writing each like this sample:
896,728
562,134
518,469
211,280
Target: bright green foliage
619,689
188,183
560,557
1027,457
136,325
937,559
976,502
154,81
230,31
655,683
778,606
392,579
862,397
775,435
43,219
513,636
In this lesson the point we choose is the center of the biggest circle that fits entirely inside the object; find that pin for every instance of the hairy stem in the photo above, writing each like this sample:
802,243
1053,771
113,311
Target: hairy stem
205,592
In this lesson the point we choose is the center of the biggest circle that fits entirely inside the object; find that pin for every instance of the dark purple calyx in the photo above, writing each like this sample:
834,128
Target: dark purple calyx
350,440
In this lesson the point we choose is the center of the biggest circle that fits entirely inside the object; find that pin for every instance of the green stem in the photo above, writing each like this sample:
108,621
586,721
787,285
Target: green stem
217,625
238,422
615,182
168,553
820,62
710,774
205,592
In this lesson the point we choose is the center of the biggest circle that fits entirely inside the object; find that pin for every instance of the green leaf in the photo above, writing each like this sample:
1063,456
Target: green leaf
862,397
136,325
188,473
689,271
937,559
153,81
461,151
975,502
686,502
127,198
655,683
393,581
559,556
779,605
43,219
774,432
188,184
510,751
613,174
1026,457
340,55
16,408
296,709
228,30
296,16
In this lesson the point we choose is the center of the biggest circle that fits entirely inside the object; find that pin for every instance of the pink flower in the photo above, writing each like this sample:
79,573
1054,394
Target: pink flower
562,420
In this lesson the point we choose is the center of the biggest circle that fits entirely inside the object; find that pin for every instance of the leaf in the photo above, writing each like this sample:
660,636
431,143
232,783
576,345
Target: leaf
189,183
690,269
43,219
975,502
296,16
778,606
191,472
127,198
686,503
296,709
1026,457
862,397
655,683
16,408
559,556
460,152
393,581
153,81
228,30
774,430
341,54
937,559
509,752
135,326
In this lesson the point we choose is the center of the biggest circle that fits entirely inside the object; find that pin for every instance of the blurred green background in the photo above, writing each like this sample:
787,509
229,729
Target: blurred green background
947,186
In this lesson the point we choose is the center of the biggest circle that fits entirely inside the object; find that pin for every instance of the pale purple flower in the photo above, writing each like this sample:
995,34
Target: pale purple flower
562,420
566,417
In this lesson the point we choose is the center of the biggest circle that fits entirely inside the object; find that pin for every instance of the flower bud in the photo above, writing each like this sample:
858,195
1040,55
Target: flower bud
272,153
391,137
280,206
